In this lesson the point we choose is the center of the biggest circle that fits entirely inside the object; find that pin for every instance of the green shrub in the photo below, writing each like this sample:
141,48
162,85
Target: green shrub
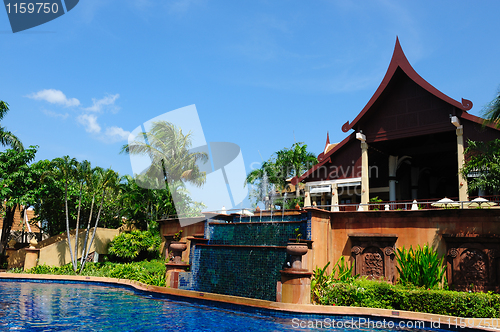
379,294
421,267
135,245
149,272
321,280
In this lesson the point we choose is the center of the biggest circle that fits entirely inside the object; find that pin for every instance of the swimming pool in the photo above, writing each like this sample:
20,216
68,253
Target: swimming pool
71,306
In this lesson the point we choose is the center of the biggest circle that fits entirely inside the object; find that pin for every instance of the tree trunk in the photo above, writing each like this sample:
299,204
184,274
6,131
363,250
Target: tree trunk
8,220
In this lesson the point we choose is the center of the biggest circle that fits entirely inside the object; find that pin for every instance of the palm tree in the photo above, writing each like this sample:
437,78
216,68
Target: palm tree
6,137
65,170
492,111
295,161
99,181
284,164
171,159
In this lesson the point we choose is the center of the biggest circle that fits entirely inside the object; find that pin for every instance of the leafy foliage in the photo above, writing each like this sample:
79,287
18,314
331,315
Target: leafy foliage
483,163
492,111
6,137
135,245
172,163
421,267
322,281
282,165
149,272
379,294
18,184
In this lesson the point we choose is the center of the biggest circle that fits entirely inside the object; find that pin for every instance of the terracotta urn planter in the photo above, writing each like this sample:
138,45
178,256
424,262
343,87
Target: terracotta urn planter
296,250
177,248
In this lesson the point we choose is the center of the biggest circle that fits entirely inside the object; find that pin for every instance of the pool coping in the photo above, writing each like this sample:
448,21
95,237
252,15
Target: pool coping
484,324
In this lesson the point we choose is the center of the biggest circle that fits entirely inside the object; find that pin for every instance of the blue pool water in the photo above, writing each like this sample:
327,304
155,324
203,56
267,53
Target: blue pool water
68,306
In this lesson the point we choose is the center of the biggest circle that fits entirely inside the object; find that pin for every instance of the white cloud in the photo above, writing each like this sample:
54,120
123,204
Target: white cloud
54,97
55,115
99,104
89,121
117,134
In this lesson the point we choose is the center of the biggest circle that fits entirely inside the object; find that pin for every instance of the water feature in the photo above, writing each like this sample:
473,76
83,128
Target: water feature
71,306
241,257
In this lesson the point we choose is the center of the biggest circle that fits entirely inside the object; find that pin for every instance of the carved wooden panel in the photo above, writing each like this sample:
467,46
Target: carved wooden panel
473,263
374,255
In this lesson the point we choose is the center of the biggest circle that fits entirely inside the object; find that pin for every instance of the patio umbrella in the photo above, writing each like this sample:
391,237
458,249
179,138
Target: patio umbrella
445,203
480,202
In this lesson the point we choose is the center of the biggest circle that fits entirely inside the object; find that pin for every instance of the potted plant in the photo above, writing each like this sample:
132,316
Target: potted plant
296,250
177,247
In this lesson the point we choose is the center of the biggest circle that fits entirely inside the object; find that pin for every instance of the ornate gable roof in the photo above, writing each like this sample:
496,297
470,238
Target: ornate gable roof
400,61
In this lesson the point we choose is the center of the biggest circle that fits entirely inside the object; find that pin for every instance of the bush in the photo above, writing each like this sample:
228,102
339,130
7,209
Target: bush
148,272
321,280
135,245
379,294
420,267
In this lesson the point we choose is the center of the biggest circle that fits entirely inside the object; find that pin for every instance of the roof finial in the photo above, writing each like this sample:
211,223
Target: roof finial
327,142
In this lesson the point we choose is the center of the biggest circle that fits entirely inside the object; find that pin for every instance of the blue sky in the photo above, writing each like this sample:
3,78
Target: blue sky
261,73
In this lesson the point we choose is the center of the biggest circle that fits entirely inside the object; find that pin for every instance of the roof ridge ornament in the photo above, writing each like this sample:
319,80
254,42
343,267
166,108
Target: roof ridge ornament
467,104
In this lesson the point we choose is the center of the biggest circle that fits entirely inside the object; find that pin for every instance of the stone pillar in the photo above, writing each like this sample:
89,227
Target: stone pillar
393,167
172,273
296,286
462,182
365,185
31,259
32,253
307,198
335,198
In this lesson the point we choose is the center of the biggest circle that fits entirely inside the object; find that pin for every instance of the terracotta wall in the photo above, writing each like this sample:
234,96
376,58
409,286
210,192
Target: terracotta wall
330,230
171,226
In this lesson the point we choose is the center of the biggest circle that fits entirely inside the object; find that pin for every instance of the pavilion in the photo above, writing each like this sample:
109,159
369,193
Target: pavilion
407,143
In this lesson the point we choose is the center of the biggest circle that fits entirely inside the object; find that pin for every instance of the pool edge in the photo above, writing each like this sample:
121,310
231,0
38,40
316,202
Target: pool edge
484,324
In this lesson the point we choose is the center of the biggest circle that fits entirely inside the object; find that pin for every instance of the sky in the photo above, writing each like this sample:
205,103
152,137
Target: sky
262,74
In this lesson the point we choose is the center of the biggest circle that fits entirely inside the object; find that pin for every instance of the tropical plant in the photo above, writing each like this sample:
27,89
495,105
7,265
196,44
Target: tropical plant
492,111
282,165
95,182
298,235
19,185
178,235
294,162
482,165
322,281
6,137
421,267
172,161
135,245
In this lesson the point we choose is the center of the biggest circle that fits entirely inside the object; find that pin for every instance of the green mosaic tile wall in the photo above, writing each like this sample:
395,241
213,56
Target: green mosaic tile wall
275,234
247,272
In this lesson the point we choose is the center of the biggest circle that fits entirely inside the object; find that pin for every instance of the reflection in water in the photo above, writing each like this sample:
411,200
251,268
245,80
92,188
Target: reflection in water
47,306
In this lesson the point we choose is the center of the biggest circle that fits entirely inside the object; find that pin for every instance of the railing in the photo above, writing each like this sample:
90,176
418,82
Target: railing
432,204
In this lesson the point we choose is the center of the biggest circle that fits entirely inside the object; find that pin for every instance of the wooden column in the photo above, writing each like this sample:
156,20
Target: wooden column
335,198
365,185
462,182
307,198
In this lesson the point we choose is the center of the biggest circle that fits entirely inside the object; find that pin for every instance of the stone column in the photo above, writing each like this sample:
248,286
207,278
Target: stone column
307,198
32,254
462,182
393,167
335,198
365,186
